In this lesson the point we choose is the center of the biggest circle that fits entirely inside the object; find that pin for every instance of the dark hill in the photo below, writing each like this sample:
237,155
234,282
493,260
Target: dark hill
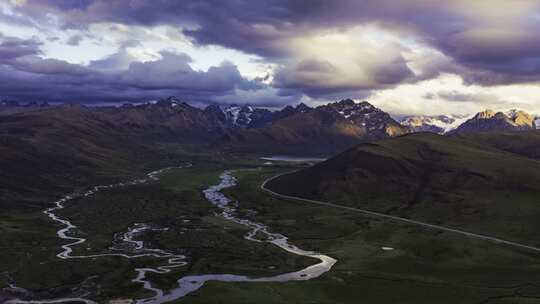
482,182
48,152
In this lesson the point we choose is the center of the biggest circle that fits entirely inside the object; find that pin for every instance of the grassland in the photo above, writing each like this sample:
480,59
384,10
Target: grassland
424,267
470,183
211,243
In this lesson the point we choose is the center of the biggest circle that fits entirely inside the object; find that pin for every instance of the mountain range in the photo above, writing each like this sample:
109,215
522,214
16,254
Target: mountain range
47,150
42,144
325,129
100,137
485,121
347,119
321,130
8,107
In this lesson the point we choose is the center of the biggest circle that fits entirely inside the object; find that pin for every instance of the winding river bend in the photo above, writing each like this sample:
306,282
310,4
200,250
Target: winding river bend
187,284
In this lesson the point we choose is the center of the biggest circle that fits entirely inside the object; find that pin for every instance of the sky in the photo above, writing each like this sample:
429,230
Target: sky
406,57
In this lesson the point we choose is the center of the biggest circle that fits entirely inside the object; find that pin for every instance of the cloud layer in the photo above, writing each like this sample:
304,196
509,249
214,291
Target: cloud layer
317,49
24,74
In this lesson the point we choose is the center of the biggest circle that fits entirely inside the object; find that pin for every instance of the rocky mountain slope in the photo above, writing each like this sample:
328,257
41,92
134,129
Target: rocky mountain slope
166,120
489,120
322,130
8,107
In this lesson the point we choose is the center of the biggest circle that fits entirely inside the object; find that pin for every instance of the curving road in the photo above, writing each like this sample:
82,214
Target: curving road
394,218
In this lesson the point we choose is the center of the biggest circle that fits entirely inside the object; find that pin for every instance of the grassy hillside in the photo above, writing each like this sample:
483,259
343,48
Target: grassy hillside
52,151
426,266
479,183
522,143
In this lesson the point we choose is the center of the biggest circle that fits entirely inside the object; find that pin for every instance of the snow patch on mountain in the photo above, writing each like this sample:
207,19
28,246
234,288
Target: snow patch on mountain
238,115
452,122
537,122
438,124
350,109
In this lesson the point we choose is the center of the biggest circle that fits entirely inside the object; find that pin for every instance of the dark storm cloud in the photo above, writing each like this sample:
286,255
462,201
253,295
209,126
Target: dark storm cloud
249,25
489,41
12,48
396,71
114,62
26,76
322,78
37,65
74,40
174,72
480,98
455,96
497,55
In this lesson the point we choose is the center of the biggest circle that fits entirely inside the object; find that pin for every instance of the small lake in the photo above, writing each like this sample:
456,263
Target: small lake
295,159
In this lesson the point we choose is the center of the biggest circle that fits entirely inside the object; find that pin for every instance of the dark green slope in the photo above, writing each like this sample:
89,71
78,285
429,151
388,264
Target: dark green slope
50,152
523,143
477,182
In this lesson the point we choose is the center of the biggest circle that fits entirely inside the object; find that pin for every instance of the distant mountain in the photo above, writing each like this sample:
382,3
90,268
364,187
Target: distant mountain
322,130
489,120
290,110
246,116
372,120
8,107
173,120
300,128
439,124
9,103
165,120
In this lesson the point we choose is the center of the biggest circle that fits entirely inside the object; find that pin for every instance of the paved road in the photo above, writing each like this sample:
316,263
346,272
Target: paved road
394,218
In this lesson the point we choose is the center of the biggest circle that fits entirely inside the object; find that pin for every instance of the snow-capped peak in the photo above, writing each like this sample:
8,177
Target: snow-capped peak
513,113
232,113
173,101
238,115
302,108
439,123
537,122
349,108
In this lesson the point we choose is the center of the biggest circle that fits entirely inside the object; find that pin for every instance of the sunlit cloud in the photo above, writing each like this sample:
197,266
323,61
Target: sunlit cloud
449,94
463,55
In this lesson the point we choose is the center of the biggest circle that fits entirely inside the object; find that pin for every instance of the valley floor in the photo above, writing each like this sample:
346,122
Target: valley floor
378,260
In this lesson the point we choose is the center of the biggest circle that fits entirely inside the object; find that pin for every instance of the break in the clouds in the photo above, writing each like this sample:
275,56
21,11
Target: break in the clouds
24,74
274,52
